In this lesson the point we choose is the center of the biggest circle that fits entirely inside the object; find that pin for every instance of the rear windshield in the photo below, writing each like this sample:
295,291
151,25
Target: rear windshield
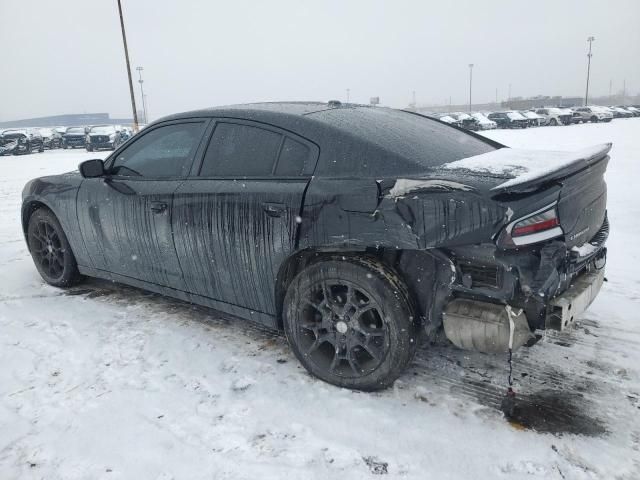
420,140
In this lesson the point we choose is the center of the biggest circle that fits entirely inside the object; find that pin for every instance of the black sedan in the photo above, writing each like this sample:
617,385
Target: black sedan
359,231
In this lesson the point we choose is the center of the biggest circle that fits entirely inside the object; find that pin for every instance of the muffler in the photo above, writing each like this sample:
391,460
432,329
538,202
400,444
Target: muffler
483,326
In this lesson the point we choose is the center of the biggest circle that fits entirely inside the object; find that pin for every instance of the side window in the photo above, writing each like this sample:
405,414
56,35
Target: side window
240,150
163,152
293,158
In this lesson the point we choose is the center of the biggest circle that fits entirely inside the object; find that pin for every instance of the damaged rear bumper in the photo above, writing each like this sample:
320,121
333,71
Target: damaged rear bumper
549,284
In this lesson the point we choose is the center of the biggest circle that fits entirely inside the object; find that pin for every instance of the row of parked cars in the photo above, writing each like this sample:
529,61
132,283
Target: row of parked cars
21,141
537,117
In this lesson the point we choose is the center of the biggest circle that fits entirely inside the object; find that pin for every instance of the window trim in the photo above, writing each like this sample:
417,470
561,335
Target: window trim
308,169
110,160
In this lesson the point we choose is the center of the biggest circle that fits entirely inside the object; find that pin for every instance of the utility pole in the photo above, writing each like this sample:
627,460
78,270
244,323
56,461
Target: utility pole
126,56
589,55
610,87
348,92
509,97
624,91
142,95
470,83
414,97
496,96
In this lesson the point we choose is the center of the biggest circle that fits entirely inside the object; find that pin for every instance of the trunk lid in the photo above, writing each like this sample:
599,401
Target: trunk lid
515,177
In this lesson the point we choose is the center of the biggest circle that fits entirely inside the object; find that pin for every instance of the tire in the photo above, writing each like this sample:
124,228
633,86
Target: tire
41,149
553,122
351,323
64,146
594,119
50,250
89,148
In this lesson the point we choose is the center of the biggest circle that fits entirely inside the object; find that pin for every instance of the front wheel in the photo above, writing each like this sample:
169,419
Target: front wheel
50,249
553,122
351,323
594,119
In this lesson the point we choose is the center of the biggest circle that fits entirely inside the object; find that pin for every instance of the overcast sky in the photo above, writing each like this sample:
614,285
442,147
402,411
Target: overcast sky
66,56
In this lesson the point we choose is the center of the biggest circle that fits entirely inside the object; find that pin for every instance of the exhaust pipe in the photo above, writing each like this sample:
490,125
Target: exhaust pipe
483,326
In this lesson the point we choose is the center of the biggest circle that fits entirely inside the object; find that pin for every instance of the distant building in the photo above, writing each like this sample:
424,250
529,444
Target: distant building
69,120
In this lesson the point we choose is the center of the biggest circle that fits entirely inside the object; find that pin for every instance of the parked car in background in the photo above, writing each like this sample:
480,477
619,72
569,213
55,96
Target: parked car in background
73,137
125,133
620,112
51,138
467,121
483,122
555,116
21,141
592,114
103,137
634,110
534,119
446,118
509,120
358,231
629,110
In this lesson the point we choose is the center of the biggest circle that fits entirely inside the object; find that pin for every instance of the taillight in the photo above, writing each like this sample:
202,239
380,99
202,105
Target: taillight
538,226
536,223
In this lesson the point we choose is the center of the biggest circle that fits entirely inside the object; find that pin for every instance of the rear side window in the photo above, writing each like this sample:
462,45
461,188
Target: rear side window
293,157
165,151
240,150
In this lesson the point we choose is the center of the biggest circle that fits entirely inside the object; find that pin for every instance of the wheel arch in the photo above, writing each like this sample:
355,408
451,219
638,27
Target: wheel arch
425,273
28,209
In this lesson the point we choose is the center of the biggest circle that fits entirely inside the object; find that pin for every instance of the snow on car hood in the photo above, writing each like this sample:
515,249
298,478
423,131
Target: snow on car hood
523,166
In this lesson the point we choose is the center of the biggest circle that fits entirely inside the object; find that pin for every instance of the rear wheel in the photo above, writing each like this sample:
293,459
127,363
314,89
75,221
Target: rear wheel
351,323
553,122
50,249
594,119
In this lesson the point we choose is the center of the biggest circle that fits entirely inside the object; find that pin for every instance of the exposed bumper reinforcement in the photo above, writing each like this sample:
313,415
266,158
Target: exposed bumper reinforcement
565,308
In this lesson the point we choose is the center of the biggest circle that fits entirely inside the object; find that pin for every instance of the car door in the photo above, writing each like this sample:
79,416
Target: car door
236,218
125,217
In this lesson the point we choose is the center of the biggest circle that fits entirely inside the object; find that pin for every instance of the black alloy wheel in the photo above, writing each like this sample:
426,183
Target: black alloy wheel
50,249
350,324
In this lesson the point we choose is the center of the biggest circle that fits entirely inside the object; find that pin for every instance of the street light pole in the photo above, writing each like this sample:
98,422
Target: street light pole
589,55
126,56
348,92
142,96
470,83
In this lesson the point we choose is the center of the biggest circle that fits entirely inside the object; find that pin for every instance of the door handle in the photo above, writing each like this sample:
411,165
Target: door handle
158,207
274,209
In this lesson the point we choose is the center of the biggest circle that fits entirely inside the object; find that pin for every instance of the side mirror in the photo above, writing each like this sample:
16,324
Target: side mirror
92,168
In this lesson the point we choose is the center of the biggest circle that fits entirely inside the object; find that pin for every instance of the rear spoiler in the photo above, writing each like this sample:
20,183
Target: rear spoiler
527,170
567,164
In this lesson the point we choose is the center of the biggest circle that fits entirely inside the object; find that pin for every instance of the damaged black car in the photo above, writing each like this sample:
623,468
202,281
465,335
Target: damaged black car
358,231
21,142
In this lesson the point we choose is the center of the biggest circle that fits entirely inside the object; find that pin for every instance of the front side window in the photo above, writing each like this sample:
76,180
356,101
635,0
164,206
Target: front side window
238,150
163,152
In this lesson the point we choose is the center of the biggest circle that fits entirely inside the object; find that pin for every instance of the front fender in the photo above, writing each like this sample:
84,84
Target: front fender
59,194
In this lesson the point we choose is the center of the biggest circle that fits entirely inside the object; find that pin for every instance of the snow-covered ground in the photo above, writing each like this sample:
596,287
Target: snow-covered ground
106,381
